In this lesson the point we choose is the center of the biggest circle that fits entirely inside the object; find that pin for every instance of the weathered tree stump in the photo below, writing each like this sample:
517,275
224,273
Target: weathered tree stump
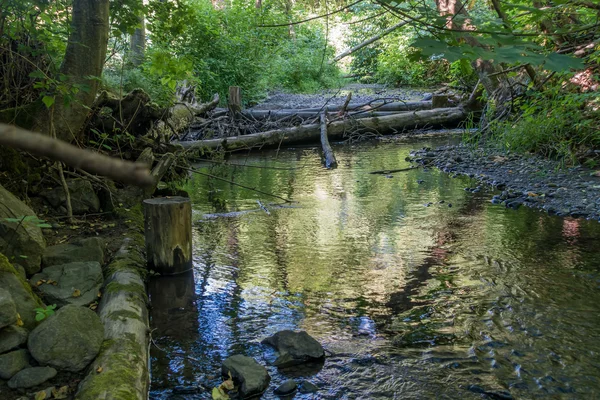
235,101
168,229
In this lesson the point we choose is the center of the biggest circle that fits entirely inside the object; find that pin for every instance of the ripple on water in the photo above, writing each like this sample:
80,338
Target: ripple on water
410,302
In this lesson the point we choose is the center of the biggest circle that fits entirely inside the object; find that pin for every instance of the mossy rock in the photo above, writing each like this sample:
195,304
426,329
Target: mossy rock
25,300
20,238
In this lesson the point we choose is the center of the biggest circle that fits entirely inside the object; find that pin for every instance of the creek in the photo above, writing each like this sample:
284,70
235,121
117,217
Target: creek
418,288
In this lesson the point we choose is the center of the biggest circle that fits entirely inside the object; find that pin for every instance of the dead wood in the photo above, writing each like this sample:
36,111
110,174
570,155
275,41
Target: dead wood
57,150
330,161
396,123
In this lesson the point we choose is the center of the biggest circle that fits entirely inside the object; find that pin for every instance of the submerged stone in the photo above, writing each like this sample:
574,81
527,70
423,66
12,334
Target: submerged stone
307,387
295,348
251,378
286,388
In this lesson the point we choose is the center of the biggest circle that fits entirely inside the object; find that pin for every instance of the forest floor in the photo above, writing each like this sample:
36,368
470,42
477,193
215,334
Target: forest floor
524,179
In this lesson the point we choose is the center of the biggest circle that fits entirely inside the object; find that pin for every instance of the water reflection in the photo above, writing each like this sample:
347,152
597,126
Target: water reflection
413,301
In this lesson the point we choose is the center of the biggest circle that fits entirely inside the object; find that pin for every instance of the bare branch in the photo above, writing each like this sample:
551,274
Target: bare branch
57,150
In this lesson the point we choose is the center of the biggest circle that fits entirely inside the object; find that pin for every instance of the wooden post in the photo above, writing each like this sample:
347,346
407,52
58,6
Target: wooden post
235,101
168,228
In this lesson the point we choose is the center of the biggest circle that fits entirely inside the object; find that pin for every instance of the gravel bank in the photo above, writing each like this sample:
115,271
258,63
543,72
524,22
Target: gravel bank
361,93
525,180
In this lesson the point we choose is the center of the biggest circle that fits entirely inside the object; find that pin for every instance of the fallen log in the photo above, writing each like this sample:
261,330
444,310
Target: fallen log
441,117
303,115
376,105
330,161
87,160
121,369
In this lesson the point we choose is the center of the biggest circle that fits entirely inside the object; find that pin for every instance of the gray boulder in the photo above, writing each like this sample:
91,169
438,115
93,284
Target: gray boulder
286,388
30,377
295,348
83,198
86,277
8,310
250,377
91,249
68,340
20,240
13,362
12,337
25,300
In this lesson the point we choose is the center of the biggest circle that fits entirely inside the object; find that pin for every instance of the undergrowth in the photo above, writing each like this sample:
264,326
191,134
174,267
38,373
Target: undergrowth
553,123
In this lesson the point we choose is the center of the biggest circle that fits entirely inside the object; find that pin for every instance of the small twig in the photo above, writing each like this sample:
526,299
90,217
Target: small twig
391,171
234,183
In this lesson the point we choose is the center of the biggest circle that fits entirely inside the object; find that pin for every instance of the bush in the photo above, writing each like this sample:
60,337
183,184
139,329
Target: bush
553,123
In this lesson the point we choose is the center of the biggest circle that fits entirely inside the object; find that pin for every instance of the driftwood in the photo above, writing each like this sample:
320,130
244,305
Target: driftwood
345,105
391,171
181,115
446,117
330,161
87,160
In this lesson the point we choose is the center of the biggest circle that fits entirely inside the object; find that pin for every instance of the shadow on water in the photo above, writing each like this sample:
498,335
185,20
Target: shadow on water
413,298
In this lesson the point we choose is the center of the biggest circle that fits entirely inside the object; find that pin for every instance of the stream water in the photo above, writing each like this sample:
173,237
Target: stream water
419,289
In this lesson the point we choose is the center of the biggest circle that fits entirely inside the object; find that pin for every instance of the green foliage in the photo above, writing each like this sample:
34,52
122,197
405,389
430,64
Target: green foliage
32,219
43,313
554,123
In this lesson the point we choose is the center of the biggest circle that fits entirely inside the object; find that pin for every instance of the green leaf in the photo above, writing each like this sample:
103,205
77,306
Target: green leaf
562,63
44,226
40,316
23,256
48,101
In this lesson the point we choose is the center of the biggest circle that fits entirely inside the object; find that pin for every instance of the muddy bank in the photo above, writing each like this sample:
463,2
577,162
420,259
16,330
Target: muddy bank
524,180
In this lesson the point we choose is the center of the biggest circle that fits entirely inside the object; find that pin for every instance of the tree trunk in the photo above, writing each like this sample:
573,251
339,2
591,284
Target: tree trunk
445,117
137,43
82,66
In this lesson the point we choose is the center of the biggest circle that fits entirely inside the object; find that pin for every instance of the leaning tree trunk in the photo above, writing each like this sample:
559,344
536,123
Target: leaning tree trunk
82,65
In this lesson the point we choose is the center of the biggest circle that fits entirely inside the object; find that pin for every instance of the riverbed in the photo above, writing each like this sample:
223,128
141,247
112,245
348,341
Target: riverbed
415,287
